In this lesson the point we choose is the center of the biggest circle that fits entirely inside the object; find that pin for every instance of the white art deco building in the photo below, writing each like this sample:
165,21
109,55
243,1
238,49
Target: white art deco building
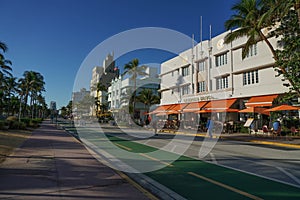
121,90
212,76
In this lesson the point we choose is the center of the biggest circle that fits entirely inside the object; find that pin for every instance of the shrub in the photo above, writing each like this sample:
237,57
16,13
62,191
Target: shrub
17,125
4,125
11,121
26,121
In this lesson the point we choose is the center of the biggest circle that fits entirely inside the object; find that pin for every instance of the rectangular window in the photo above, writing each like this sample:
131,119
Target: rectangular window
252,51
222,83
201,86
201,66
185,71
221,59
256,76
185,90
250,77
244,78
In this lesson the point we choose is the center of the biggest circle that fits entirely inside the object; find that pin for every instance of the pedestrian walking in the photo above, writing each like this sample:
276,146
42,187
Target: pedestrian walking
209,126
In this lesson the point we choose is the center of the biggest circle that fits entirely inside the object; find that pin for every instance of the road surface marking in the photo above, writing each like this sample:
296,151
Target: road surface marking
123,147
155,159
225,186
289,175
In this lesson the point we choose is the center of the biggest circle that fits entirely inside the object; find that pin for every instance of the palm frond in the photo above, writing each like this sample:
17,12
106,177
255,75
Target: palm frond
3,46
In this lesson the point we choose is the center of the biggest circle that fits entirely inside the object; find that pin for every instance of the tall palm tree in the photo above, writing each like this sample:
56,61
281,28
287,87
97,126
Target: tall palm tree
31,85
11,88
251,17
147,97
4,64
134,70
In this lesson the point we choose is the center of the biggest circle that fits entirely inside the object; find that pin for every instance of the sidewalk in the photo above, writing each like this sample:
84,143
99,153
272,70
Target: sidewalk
51,164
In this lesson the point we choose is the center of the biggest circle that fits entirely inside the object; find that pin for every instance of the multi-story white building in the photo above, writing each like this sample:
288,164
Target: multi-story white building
214,71
103,74
121,90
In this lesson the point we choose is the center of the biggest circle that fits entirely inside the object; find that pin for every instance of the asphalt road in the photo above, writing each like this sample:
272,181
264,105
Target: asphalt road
232,169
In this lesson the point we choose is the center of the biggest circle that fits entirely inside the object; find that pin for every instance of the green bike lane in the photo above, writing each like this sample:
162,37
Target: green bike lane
195,179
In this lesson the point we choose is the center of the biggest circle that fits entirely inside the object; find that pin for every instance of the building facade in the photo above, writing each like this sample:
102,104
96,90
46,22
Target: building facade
218,71
103,74
121,90
213,70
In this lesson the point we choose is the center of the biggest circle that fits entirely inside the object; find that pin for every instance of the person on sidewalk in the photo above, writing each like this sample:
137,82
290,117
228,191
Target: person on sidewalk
154,125
209,126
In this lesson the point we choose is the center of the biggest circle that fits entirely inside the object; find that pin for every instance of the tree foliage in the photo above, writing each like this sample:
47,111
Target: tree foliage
289,53
279,18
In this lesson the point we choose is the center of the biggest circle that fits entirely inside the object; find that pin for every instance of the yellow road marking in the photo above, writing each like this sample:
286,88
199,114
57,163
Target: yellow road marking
225,186
123,147
276,143
137,185
155,159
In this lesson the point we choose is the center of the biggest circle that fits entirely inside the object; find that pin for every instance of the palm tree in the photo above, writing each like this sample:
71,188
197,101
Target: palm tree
134,70
98,87
251,18
31,85
3,46
10,88
147,97
4,64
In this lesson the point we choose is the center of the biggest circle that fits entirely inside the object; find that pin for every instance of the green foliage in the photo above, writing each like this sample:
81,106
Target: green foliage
289,55
253,16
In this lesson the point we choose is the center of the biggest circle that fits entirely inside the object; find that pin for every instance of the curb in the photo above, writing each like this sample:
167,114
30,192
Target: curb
149,187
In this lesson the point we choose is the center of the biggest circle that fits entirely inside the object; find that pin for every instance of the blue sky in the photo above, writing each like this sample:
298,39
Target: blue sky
54,37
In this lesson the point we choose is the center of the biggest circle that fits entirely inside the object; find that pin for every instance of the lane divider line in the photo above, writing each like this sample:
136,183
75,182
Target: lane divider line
225,186
123,147
155,159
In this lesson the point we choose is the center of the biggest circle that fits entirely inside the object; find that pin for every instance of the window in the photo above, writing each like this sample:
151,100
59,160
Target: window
250,77
201,86
185,71
252,50
201,66
221,59
222,82
185,90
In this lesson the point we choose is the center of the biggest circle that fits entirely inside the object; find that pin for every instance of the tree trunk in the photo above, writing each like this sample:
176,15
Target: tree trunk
297,8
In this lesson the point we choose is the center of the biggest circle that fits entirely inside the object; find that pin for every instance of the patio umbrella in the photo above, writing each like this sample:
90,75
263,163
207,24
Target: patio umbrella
282,108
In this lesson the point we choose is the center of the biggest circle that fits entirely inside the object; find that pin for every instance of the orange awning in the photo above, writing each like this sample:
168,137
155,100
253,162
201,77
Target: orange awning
255,110
195,106
283,107
162,108
178,107
219,104
218,110
261,101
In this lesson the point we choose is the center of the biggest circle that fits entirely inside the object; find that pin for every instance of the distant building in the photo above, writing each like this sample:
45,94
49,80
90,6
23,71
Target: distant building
78,96
103,74
52,105
121,90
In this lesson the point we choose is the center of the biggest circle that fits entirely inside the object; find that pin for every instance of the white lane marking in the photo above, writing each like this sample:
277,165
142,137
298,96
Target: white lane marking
289,174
